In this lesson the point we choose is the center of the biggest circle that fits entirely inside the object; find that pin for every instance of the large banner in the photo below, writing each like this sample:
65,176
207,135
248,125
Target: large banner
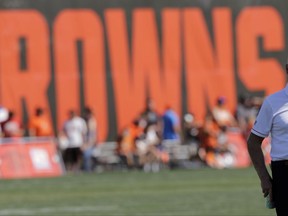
110,55
20,158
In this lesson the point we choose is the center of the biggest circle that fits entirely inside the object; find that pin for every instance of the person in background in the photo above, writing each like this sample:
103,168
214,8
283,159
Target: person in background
149,114
209,140
75,130
127,143
91,139
191,129
171,125
4,113
12,127
242,112
222,115
39,125
246,112
253,106
151,158
191,134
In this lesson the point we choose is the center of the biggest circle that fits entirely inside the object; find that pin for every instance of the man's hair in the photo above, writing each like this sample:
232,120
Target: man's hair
39,111
87,110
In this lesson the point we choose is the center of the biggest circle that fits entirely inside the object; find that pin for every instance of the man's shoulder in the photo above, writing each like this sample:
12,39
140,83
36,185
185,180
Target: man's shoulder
276,96
276,100
79,120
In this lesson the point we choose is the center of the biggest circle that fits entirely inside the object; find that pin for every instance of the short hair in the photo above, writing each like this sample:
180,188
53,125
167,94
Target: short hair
221,100
39,111
87,110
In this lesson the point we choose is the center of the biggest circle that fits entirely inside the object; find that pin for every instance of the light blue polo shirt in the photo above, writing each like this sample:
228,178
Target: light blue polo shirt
273,119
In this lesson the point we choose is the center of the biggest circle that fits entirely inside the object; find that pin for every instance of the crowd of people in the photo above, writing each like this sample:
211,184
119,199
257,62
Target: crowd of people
37,126
140,144
76,140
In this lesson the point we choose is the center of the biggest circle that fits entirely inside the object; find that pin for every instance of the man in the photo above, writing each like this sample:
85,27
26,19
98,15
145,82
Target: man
171,125
222,115
150,115
91,139
75,130
272,119
4,114
39,124
12,127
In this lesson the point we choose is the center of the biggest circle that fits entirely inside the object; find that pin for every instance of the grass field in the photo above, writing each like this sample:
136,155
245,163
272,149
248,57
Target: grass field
168,193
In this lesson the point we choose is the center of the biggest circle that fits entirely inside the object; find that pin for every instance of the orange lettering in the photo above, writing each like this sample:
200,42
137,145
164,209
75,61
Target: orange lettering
255,72
172,57
72,26
133,82
30,80
209,73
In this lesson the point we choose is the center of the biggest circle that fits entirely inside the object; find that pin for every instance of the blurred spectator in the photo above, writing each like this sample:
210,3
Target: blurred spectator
62,141
149,149
255,104
4,113
191,129
243,115
215,147
150,115
75,130
246,112
91,139
12,126
254,107
242,112
191,134
209,139
39,125
222,115
127,143
171,124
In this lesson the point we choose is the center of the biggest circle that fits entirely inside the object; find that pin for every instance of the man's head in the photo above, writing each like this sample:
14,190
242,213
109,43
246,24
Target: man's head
71,114
39,111
11,114
87,113
150,104
221,101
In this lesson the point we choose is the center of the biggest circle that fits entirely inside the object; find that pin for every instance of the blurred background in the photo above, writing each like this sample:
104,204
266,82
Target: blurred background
112,55
144,85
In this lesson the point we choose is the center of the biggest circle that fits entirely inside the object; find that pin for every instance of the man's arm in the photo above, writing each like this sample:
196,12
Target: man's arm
254,148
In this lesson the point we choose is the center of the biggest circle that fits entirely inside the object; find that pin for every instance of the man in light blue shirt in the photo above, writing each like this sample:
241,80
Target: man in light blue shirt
272,120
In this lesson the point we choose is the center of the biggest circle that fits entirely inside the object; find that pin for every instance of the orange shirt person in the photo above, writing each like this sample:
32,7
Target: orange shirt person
39,125
129,136
211,131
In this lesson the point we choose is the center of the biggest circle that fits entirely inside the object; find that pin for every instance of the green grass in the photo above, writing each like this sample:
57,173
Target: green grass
168,193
